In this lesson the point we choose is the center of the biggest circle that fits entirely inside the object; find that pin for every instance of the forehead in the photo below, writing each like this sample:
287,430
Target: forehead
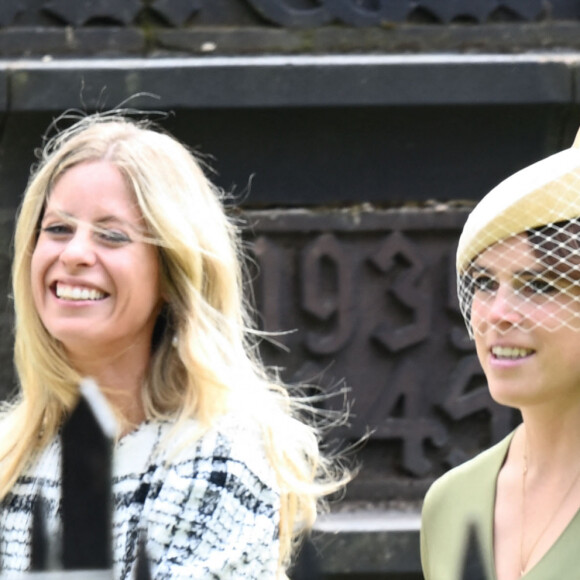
93,188
514,253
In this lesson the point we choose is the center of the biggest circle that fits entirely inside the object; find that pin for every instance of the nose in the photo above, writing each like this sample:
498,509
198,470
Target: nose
500,310
504,309
78,251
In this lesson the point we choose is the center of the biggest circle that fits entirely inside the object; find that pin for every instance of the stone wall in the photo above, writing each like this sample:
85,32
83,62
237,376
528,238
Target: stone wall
356,135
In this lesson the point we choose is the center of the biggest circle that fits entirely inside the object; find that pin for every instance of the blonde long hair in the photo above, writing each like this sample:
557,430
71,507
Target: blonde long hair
204,354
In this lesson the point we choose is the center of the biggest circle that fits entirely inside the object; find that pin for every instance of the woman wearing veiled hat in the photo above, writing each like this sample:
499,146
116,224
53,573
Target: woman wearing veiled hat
518,265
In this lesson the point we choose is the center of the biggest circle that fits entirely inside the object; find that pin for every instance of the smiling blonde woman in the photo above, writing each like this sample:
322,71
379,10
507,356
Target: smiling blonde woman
127,269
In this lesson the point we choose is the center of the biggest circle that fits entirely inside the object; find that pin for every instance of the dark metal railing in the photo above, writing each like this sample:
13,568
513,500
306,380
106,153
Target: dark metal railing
473,565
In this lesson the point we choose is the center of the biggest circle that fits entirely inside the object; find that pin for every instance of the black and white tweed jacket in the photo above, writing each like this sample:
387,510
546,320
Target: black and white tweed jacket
209,509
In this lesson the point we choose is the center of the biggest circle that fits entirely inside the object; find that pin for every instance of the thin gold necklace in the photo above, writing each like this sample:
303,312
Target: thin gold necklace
524,561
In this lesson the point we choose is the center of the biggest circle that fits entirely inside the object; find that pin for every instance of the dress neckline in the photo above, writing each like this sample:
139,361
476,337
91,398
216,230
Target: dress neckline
542,568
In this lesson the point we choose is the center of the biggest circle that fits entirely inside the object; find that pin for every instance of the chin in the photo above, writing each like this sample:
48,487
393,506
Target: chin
75,341
509,397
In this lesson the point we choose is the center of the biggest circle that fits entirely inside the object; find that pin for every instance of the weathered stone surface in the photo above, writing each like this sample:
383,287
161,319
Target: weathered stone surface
283,26
381,543
368,297
466,121
176,12
355,122
308,13
47,43
81,12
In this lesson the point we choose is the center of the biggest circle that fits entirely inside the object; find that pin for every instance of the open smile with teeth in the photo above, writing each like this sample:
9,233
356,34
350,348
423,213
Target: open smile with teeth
510,352
66,292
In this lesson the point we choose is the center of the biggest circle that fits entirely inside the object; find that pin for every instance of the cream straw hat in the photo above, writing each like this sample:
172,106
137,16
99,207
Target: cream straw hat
524,237
546,192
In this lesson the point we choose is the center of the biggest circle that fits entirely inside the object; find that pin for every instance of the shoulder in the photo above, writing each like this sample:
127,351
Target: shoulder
233,444
223,475
490,459
240,442
45,464
182,464
469,478
462,497
43,471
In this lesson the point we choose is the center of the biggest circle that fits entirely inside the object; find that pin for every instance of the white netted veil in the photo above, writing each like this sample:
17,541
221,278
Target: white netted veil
521,245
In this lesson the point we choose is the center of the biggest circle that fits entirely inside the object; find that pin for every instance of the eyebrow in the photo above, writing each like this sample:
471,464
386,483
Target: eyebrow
103,220
477,269
546,272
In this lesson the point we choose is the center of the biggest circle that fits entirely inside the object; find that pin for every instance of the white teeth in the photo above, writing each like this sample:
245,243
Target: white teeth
78,293
510,352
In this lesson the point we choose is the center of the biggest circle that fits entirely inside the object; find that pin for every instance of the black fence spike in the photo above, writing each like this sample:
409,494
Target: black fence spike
86,484
39,539
142,570
473,563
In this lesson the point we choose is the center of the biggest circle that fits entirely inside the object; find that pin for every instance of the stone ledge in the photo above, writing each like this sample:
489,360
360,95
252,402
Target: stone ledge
388,37
294,81
369,541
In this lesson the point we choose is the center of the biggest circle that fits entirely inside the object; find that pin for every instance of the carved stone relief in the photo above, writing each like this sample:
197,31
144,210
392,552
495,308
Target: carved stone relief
284,13
369,299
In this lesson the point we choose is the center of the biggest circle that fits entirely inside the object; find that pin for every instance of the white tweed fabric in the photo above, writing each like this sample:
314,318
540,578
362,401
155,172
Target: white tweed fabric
210,509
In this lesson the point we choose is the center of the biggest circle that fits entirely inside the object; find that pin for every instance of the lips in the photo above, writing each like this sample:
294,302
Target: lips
77,293
511,352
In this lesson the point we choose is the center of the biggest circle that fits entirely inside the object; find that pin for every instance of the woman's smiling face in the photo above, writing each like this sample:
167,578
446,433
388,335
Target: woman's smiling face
526,323
95,283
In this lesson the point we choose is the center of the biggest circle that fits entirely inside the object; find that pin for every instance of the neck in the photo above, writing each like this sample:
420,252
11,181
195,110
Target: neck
120,378
550,471
551,439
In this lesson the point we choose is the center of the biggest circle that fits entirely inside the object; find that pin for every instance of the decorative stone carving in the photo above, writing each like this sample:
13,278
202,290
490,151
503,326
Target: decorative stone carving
281,13
286,13
176,12
351,12
80,12
370,299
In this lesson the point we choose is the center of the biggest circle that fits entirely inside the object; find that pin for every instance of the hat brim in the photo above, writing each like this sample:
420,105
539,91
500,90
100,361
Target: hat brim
547,191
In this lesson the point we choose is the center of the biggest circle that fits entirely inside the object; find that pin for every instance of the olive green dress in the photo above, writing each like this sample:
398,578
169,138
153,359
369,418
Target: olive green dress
466,495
